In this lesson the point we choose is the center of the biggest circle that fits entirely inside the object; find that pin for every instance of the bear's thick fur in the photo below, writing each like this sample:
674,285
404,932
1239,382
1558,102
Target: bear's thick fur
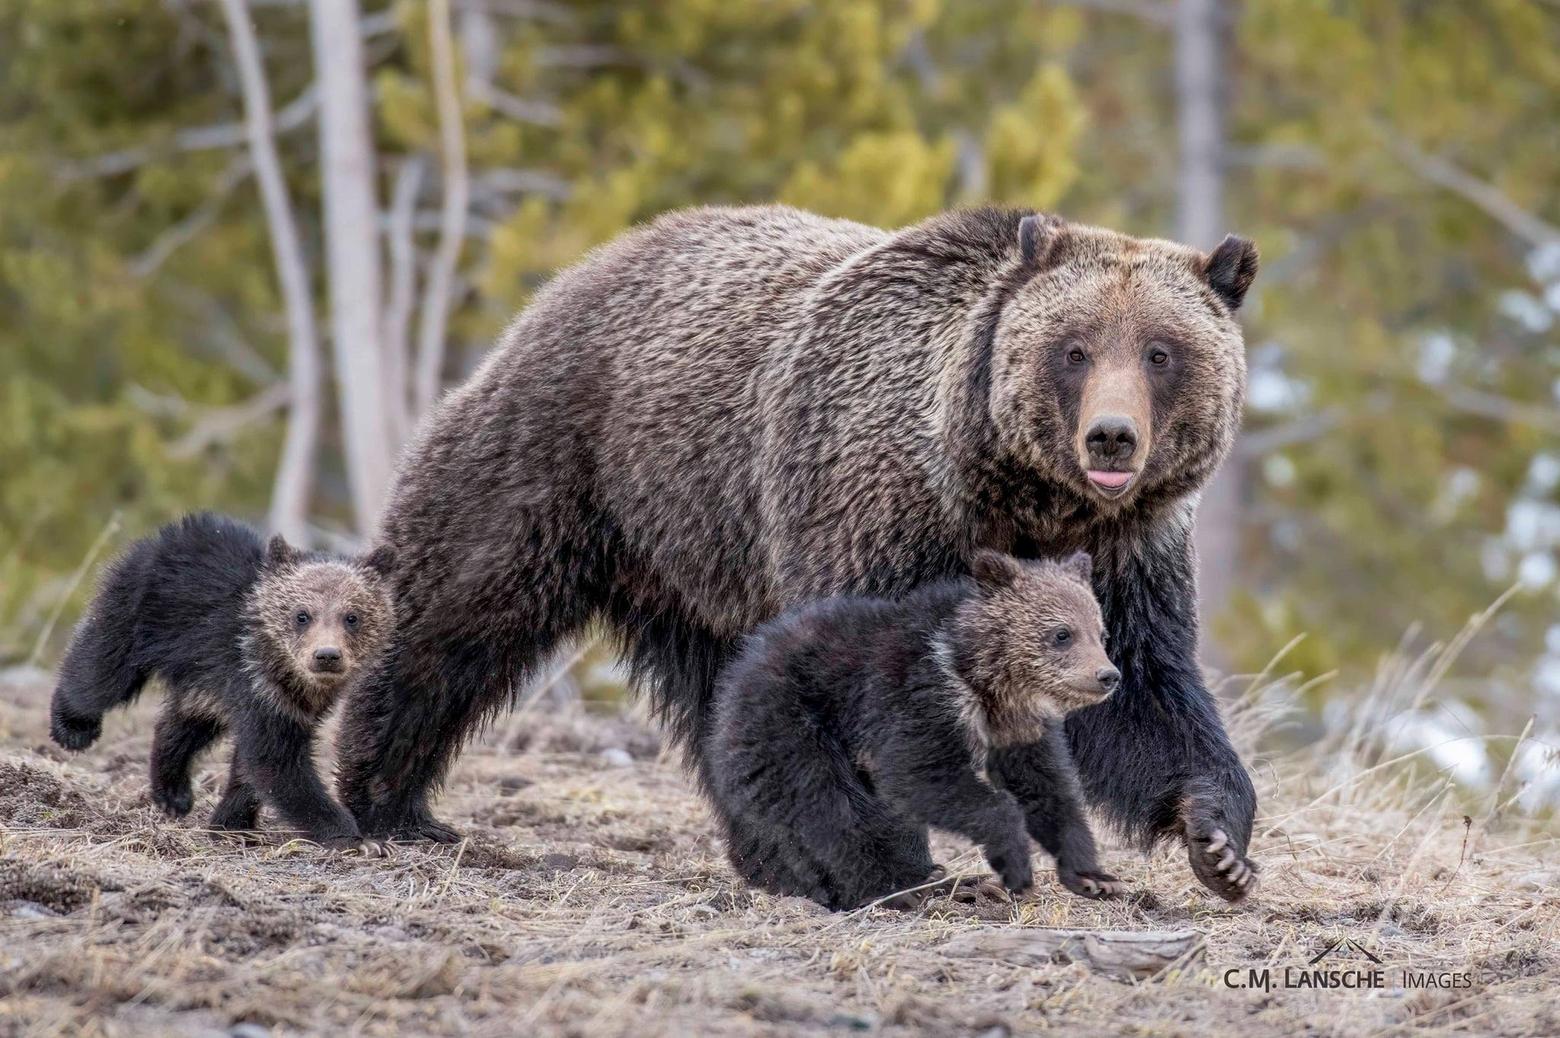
733,411
253,638
848,725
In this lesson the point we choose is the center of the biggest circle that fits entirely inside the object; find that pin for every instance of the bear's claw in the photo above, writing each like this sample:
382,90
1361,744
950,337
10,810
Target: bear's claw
1229,875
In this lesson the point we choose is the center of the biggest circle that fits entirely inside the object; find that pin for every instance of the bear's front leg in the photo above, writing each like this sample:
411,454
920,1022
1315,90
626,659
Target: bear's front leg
1155,756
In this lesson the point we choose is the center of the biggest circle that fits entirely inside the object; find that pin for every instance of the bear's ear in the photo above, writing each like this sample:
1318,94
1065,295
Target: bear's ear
279,553
1231,268
1079,565
1038,234
381,560
993,570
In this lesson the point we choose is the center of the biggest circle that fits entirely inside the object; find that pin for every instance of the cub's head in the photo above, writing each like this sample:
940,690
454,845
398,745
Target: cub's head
1029,644
316,621
1118,368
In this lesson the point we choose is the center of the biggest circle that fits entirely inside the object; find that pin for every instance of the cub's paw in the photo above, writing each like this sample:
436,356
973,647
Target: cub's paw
1090,883
76,733
963,890
1220,867
1017,874
411,827
427,828
362,845
175,801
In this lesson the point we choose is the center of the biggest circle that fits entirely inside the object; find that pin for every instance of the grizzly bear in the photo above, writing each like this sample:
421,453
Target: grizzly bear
253,638
848,725
729,412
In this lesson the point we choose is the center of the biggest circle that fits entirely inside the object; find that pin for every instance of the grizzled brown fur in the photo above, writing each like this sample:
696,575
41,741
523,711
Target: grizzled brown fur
253,638
733,411
848,725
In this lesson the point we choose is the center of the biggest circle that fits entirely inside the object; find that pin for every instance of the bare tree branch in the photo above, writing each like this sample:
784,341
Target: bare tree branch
434,319
294,115
1528,226
512,106
1161,13
189,228
1498,408
537,10
523,181
211,424
294,481
402,289
1260,442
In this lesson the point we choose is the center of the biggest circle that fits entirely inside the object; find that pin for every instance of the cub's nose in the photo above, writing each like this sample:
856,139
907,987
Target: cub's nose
1112,438
1109,678
328,655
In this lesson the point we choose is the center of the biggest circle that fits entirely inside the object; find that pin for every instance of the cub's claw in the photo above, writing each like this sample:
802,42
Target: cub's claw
367,847
1091,883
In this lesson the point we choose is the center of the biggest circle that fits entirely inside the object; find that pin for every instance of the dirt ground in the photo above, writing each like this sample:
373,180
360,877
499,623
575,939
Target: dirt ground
591,899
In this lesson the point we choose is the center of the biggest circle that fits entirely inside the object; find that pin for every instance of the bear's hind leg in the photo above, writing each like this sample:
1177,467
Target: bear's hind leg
178,739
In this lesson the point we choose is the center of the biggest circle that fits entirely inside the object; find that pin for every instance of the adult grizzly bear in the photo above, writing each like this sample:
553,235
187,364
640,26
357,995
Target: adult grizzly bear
731,411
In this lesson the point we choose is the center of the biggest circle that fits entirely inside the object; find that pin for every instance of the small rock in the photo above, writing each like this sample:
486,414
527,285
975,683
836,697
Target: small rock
616,757
248,1030
513,783
31,910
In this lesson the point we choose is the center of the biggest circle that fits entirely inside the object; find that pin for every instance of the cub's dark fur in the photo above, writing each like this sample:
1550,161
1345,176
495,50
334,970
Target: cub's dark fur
849,725
253,638
730,412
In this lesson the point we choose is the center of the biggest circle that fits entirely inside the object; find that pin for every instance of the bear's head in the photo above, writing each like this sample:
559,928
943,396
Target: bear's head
316,622
1118,369
1029,645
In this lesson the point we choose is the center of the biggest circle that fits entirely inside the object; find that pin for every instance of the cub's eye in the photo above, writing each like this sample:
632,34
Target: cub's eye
1062,636
303,618
1076,356
1158,357
351,620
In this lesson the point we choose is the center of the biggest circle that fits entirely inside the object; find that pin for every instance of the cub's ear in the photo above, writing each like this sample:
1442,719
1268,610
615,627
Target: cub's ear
994,570
1038,234
1231,268
381,560
279,553
1079,565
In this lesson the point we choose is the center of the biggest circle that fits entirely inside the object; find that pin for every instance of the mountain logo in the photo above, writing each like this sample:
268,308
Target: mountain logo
1344,946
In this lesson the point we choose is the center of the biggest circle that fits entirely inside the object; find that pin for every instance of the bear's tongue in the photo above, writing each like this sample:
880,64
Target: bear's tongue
1110,480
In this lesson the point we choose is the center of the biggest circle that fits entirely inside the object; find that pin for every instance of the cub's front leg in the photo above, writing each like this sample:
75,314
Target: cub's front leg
1042,778
275,755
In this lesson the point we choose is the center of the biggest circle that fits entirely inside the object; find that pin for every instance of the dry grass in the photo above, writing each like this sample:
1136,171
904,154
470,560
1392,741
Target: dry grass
591,899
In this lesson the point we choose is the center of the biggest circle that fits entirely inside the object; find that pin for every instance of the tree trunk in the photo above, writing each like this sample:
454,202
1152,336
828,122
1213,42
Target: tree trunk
1199,92
295,471
352,253
434,327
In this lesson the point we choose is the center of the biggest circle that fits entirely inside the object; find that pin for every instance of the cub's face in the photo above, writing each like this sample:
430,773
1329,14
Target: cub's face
1118,367
322,621
1031,644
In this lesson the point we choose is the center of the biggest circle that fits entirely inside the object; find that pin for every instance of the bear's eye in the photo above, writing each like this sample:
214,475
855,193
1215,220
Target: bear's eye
302,619
1158,357
1062,636
1076,355
351,620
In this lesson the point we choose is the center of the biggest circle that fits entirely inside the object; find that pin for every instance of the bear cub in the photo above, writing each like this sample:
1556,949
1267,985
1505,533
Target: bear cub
254,638
847,726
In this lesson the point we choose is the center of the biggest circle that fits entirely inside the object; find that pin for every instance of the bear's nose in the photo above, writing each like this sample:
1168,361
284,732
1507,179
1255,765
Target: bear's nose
1112,438
1109,678
327,654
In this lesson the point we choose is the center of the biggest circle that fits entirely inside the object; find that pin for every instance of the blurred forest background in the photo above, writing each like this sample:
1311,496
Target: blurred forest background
244,243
